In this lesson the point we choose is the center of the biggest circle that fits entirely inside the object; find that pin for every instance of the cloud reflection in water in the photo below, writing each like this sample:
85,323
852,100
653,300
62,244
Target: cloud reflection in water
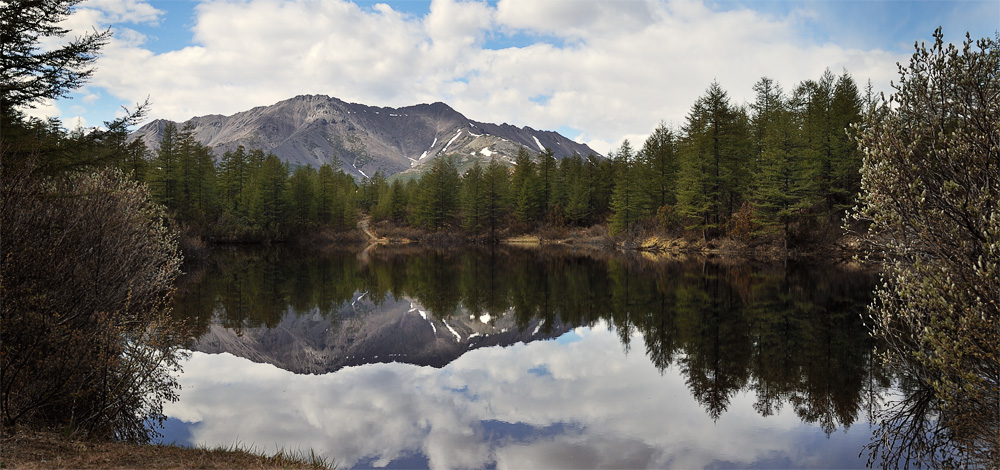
594,406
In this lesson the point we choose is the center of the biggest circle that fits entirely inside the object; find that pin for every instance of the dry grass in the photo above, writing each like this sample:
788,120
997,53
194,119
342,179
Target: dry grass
44,450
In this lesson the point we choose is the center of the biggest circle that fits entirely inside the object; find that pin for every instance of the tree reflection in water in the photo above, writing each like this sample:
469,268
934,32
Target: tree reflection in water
791,335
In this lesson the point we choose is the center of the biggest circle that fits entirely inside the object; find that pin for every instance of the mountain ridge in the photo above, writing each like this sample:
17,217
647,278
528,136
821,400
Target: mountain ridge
362,139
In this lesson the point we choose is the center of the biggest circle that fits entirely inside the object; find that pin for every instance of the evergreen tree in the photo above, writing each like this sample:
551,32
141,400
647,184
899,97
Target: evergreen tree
600,174
165,175
436,198
660,160
528,190
32,73
325,193
497,189
812,100
268,201
474,198
767,108
629,202
781,194
234,175
302,197
371,189
577,190
714,170
547,176
845,110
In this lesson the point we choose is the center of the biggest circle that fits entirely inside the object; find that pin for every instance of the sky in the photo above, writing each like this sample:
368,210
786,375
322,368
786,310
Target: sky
597,71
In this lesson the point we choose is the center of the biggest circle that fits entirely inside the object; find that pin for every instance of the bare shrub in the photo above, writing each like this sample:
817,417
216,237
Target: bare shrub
88,267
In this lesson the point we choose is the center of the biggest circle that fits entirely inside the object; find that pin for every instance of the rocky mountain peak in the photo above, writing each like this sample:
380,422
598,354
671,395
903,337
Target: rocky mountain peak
361,139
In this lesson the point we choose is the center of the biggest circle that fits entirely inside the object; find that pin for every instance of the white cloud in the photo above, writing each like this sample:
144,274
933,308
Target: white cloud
622,67
123,11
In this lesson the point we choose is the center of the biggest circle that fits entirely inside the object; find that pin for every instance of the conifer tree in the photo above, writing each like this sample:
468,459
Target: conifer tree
629,202
527,188
547,175
302,197
660,160
165,176
713,173
325,192
497,189
234,175
436,199
781,192
473,198
268,197
577,190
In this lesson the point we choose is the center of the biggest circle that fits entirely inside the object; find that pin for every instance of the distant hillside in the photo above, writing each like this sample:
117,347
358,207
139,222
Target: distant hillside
313,130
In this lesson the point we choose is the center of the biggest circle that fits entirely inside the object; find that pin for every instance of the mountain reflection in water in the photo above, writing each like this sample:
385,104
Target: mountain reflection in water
667,364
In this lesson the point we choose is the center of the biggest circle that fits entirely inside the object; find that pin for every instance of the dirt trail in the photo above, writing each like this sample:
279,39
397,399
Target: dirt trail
364,224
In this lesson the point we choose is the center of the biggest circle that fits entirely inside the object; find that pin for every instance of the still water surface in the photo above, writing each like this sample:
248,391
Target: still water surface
527,359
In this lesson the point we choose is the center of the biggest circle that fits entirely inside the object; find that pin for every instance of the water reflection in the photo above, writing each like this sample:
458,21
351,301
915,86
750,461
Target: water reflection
742,364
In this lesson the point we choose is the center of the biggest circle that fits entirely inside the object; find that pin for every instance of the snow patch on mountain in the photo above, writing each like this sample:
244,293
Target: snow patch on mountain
458,337
445,149
539,144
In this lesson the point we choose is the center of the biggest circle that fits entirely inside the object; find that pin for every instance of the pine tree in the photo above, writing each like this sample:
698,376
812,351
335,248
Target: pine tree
714,170
165,176
629,202
268,198
234,175
845,110
32,73
781,193
325,191
473,198
497,189
547,175
577,189
660,160
436,199
302,197
527,187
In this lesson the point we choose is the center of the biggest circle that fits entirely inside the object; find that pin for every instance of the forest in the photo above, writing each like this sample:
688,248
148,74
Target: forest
784,166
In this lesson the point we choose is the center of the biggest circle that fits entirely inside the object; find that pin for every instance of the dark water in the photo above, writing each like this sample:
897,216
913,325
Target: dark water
528,359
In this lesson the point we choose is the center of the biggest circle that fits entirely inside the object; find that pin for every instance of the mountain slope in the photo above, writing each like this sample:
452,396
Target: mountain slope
314,129
396,331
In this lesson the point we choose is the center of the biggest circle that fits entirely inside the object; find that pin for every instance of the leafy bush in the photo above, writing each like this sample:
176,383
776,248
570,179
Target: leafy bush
931,192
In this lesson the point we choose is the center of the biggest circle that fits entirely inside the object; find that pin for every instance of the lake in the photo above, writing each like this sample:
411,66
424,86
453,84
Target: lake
528,358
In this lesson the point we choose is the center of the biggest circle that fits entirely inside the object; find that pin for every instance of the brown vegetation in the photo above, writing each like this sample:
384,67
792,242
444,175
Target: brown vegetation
88,266
45,450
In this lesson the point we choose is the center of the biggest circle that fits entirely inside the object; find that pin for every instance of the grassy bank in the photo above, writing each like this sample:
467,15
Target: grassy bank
44,450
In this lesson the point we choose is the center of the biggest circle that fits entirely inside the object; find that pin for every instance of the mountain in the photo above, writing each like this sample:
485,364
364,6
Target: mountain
315,129
397,330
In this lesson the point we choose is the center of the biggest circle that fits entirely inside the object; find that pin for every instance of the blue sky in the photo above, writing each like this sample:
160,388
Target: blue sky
598,71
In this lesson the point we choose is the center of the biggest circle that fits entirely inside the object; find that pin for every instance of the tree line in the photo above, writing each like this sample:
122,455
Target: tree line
783,164
246,194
